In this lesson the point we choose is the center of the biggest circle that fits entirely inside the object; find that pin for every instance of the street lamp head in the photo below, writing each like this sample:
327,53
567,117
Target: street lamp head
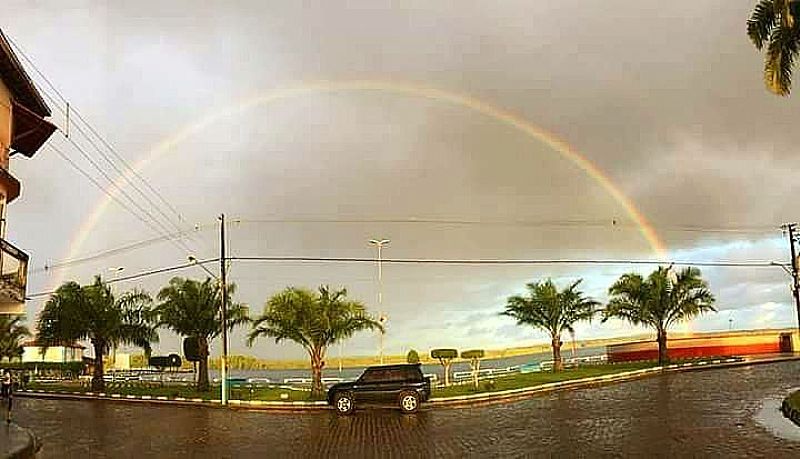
379,242
117,269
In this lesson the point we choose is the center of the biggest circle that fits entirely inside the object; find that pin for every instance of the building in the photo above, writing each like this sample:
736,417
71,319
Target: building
23,131
720,344
68,353
118,361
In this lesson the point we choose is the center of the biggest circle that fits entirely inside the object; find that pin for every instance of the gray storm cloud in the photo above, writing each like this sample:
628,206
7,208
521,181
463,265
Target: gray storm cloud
665,97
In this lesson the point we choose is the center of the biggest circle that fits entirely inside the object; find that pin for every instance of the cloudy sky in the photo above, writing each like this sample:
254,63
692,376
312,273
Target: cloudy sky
665,98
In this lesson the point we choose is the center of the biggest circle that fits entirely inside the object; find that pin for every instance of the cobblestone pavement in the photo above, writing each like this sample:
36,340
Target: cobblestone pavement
694,414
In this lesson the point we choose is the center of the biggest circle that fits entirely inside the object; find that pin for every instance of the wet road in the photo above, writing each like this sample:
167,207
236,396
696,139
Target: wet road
695,414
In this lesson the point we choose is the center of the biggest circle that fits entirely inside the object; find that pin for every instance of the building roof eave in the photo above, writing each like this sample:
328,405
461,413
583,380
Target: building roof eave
18,81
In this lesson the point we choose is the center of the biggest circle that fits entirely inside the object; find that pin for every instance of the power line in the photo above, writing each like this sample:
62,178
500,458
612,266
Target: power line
140,275
421,261
578,223
418,261
109,253
179,243
124,175
155,191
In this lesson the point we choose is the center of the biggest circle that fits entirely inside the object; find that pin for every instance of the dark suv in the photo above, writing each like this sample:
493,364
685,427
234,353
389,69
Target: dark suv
401,384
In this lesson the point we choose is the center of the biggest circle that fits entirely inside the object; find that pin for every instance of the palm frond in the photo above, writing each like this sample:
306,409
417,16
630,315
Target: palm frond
761,22
780,57
546,308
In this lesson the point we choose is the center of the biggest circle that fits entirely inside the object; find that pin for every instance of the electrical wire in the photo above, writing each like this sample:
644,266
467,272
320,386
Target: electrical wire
605,223
110,252
422,261
111,162
100,186
140,275
418,261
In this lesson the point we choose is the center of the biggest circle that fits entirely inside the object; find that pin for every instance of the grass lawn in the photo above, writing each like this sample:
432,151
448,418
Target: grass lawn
520,380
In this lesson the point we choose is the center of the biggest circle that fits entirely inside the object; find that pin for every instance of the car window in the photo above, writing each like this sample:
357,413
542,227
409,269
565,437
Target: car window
395,375
414,374
373,375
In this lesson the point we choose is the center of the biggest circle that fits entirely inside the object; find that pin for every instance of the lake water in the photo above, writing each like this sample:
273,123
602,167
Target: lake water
332,369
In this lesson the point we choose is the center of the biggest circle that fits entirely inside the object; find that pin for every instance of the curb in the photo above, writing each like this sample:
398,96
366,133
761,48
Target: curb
437,402
161,400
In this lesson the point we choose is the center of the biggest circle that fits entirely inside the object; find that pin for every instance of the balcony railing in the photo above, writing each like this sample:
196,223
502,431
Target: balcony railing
13,278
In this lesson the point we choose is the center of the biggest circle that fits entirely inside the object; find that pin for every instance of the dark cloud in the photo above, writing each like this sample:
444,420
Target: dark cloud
665,97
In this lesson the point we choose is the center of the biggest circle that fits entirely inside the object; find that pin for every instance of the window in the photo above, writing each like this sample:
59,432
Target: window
374,376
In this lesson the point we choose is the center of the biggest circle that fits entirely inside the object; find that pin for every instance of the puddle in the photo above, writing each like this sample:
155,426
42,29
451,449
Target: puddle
771,418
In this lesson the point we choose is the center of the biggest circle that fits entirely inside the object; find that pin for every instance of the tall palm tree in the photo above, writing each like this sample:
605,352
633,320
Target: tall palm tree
11,334
191,309
551,310
776,24
314,320
92,312
659,301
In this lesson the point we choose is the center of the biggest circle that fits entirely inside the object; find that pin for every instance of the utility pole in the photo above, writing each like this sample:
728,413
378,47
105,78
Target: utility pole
791,228
224,310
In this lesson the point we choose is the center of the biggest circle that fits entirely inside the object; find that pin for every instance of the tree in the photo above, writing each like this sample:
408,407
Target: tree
11,334
659,301
314,320
474,356
192,309
551,310
92,312
445,358
776,24
412,356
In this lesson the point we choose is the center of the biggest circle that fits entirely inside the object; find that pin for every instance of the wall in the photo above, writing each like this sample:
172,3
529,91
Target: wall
5,124
731,344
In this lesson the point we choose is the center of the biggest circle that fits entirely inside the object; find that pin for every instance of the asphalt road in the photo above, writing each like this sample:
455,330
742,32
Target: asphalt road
709,413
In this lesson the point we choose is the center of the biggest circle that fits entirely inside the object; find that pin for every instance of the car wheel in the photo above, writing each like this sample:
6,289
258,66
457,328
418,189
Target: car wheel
344,403
409,401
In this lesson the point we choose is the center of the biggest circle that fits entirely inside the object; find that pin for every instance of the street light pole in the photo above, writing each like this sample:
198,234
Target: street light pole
379,243
224,310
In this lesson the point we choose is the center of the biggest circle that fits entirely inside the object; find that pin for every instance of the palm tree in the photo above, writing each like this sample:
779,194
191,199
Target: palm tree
11,334
659,301
776,24
314,320
92,312
551,310
191,309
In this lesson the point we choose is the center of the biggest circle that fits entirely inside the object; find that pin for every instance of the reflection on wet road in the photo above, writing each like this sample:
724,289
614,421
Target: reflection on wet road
700,413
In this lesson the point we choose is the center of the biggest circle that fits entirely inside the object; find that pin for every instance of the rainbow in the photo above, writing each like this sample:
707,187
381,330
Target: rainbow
407,89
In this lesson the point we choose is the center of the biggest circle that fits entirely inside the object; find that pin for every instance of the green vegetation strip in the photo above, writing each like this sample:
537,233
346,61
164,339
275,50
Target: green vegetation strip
791,407
526,380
